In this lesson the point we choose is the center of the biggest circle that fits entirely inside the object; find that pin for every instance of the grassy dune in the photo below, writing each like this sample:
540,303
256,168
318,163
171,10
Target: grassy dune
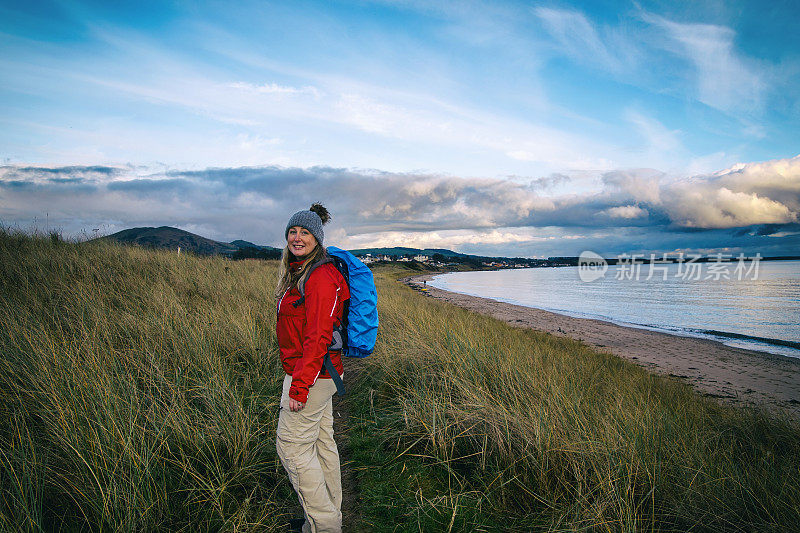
138,391
523,430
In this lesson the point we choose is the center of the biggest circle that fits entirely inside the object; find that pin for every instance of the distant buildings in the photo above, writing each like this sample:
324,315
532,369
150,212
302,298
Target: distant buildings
438,260
369,258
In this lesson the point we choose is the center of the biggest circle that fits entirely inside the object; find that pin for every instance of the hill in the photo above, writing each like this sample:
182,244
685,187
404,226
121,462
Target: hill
166,237
171,238
400,250
239,243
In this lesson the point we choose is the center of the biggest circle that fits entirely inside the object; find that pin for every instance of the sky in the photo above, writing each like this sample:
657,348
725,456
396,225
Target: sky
528,129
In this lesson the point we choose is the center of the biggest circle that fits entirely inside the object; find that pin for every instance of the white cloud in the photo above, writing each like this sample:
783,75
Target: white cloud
640,185
706,164
626,212
440,239
725,79
723,208
660,140
346,108
389,208
579,38
781,234
781,174
745,194
377,117
274,88
248,143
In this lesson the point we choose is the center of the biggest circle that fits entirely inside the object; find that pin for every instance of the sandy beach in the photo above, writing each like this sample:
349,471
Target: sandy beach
733,375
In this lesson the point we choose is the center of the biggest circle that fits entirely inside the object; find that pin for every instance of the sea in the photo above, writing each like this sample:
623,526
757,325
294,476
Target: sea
751,304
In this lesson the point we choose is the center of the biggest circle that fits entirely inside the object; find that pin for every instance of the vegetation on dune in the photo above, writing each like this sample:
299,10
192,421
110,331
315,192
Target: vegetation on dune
139,391
520,430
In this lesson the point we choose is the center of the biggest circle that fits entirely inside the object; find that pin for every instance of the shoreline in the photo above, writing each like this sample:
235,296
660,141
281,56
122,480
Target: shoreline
734,375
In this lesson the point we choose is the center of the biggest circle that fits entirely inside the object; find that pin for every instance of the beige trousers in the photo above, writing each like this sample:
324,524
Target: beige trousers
309,454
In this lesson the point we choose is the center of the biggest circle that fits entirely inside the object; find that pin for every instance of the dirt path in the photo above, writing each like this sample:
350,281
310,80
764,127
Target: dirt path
734,375
351,503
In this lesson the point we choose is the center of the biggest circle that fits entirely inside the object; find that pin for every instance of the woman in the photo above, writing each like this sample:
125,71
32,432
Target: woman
311,293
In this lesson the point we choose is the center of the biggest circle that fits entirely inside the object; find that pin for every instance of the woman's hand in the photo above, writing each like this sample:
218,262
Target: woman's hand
294,405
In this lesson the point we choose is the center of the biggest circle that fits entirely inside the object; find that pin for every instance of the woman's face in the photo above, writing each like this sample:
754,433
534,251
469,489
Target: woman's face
300,241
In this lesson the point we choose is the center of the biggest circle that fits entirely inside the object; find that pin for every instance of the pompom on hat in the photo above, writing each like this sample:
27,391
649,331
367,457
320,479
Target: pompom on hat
312,220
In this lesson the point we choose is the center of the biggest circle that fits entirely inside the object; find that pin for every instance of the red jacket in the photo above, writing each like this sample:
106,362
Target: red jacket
305,331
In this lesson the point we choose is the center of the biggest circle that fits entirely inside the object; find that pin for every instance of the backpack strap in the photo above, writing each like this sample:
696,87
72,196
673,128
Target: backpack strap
327,362
337,379
301,285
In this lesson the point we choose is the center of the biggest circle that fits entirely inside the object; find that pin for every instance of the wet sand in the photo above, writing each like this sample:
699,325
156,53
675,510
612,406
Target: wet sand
734,375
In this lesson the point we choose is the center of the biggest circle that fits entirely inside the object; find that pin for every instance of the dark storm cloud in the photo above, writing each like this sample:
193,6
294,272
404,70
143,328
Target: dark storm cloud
753,200
59,180
66,180
17,184
550,181
772,229
147,188
380,201
72,172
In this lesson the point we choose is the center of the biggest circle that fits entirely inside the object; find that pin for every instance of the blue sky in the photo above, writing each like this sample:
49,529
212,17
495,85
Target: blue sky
511,128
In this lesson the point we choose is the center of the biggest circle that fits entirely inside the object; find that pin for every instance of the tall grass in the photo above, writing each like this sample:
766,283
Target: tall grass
531,431
138,390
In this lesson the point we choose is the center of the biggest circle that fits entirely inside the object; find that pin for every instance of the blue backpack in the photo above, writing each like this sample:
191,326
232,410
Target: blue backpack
355,337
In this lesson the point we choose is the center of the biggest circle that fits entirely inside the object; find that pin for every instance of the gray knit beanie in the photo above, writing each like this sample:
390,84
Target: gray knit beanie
312,220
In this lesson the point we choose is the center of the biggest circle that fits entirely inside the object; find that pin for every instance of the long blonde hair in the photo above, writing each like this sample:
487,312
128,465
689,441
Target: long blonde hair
288,279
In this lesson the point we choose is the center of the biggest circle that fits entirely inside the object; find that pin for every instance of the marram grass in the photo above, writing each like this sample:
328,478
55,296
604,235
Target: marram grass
528,431
139,391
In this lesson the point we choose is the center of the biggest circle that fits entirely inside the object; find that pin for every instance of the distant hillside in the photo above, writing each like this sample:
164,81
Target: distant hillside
172,238
239,243
397,251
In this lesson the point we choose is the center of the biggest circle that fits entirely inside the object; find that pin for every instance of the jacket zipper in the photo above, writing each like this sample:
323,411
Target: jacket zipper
336,300
278,312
